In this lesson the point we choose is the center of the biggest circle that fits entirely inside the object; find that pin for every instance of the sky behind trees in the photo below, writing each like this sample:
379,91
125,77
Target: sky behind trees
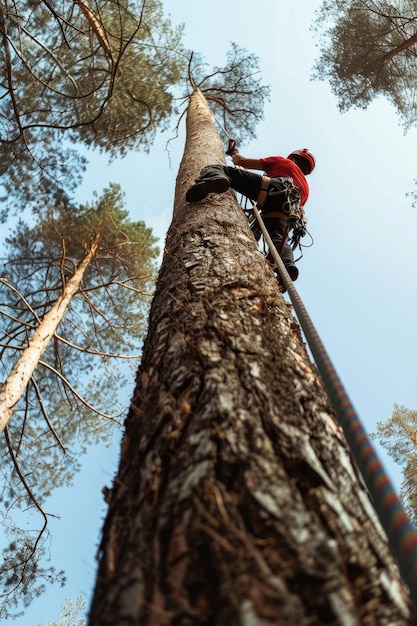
357,280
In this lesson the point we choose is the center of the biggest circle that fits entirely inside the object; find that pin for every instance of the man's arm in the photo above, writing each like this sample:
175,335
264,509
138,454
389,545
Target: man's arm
248,164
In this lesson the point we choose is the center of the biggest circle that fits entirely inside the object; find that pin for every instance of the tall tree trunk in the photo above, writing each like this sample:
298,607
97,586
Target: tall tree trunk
236,500
12,389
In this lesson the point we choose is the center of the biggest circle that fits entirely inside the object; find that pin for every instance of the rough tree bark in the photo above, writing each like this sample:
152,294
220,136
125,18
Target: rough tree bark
236,499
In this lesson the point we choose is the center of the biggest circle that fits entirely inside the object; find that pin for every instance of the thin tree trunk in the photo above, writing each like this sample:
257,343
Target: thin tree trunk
236,500
96,26
11,390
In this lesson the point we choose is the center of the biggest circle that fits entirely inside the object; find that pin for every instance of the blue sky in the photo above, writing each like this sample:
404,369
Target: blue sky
357,280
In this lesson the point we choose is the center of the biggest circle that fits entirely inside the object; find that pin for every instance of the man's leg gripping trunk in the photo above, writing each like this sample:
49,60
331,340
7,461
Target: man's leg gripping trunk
211,179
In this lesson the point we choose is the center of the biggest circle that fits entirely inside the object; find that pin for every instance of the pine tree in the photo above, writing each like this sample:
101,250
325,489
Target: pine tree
100,74
369,49
85,273
104,320
398,435
236,500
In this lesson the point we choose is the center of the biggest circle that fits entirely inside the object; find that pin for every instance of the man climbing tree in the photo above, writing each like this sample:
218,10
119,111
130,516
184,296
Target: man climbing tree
281,194
236,499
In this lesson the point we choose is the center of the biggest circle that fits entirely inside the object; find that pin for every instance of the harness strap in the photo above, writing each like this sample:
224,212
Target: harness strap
275,214
263,194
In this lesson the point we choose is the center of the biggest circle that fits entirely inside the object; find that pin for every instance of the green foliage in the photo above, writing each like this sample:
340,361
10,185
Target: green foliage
23,577
29,178
234,92
98,73
102,74
369,49
134,100
72,399
398,435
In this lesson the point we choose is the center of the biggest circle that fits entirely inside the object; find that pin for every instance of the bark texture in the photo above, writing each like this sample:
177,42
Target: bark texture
236,500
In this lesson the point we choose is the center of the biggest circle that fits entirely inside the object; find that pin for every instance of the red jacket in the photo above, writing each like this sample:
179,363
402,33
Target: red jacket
279,166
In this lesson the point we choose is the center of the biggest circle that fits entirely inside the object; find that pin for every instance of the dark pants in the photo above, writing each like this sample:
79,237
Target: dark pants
249,185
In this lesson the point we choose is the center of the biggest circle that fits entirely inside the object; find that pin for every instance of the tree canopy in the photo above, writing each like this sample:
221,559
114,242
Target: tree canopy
99,74
398,435
234,92
104,75
368,48
71,400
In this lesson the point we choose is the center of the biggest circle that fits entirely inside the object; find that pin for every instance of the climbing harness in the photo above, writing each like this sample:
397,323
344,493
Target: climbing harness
402,535
299,231
295,230
290,210
263,193
291,204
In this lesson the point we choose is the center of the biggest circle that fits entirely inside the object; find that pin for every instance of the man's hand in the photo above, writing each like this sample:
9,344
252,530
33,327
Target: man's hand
236,157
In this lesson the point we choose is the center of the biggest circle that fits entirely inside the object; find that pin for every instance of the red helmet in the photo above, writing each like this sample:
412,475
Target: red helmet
308,159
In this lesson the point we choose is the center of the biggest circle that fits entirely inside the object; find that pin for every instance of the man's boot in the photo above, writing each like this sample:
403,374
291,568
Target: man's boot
292,271
211,179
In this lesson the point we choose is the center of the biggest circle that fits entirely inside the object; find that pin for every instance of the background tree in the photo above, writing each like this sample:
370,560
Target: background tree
70,399
236,499
368,48
398,435
100,74
70,615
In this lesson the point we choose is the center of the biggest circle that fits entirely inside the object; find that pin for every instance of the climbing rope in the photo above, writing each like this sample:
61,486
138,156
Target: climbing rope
402,535
222,128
